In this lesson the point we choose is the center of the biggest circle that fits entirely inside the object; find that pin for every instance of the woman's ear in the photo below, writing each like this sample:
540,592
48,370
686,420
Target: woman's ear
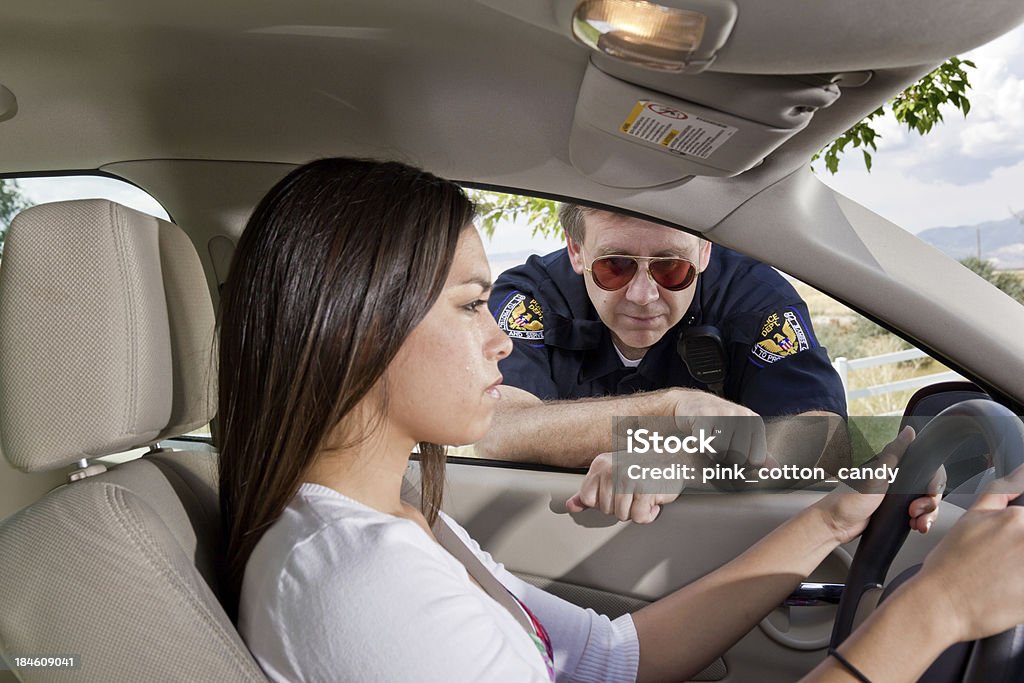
575,255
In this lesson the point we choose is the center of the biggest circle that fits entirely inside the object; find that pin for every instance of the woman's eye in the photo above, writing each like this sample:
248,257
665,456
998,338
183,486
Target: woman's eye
475,306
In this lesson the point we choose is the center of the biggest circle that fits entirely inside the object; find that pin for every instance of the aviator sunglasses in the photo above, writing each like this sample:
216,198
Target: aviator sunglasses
615,271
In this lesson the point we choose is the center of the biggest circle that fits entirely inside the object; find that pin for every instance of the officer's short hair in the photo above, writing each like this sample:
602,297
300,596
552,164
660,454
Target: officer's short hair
571,217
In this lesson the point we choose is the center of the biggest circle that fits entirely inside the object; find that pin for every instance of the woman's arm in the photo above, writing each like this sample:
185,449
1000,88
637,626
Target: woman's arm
714,612
896,643
970,587
685,631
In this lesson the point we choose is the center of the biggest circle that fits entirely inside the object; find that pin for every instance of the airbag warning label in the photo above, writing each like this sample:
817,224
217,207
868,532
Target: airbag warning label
675,130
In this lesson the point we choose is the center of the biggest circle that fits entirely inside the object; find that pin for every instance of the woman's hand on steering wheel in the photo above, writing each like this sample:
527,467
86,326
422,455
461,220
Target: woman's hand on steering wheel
849,506
972,567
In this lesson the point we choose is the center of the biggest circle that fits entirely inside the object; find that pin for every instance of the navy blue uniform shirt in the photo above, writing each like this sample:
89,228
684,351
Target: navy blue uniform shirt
562,350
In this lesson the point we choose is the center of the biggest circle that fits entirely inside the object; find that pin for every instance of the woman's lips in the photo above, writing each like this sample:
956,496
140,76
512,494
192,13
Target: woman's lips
493,391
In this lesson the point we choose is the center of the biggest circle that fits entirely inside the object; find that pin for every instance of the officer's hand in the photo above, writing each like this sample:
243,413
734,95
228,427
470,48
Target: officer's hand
599,490
738,431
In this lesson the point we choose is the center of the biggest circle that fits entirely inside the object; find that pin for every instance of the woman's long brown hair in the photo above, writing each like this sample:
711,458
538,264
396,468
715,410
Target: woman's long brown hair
337,265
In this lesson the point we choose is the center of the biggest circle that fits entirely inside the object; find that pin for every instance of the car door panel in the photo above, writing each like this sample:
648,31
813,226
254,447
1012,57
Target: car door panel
518,515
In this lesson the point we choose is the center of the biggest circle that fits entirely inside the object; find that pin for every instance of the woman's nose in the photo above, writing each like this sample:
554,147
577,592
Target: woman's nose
499,345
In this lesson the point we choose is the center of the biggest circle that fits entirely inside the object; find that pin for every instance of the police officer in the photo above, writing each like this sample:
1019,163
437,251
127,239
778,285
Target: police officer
595,328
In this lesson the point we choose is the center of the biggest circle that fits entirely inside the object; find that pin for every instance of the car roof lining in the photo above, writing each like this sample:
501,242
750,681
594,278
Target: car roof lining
134,93
784,36
158,92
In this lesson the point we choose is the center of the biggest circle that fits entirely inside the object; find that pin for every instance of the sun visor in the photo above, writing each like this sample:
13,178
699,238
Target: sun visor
631,135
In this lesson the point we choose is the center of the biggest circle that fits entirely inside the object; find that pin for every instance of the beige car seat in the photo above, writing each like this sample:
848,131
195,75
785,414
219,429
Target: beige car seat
106,329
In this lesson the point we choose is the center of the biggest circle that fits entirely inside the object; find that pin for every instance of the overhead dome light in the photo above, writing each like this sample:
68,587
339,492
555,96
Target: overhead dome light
654,36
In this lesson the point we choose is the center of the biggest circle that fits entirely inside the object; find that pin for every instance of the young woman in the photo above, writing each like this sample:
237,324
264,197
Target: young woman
353,328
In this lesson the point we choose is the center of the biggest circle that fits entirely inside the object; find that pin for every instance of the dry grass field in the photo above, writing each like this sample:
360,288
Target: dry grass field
874,420
844,332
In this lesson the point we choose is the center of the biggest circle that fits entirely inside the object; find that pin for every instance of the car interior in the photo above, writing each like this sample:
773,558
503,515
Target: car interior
107,314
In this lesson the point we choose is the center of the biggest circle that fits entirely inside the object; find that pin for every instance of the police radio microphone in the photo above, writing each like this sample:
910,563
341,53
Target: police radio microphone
703,353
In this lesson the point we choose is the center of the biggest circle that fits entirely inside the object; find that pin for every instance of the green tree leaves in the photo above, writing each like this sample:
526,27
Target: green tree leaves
495,207
918,107
11,202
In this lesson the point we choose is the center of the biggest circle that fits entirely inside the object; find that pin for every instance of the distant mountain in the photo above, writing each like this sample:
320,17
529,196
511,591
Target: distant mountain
1001,241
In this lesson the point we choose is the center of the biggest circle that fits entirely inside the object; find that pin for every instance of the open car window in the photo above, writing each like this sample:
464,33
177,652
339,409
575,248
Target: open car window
879,369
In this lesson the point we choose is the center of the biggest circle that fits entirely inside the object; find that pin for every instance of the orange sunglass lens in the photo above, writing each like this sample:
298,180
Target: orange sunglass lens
673,274
613,272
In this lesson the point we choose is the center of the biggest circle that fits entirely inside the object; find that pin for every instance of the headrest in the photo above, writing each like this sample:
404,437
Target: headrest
106,327
192,324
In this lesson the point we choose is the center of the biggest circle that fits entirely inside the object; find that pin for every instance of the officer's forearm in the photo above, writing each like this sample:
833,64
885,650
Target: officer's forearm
815,438
812,439
563,433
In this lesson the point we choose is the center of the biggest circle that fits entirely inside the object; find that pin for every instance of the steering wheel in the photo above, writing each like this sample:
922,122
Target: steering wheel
998,658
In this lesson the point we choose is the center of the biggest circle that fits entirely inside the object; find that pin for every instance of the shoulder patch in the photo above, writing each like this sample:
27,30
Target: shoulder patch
782,334
522,318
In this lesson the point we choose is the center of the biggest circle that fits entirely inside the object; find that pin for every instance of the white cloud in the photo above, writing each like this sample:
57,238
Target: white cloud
892,135
512,241
60,188
996,123
916,203
967,170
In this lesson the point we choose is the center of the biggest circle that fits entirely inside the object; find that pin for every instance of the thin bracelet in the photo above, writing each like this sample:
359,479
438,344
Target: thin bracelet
849,667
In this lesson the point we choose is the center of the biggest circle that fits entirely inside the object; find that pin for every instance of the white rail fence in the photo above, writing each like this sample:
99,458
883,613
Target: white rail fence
844,366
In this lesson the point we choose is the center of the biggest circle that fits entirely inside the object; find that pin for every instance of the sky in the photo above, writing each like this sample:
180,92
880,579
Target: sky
42,190
966,171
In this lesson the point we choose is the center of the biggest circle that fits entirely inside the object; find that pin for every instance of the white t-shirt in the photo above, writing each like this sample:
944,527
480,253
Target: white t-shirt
338,591
627,362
